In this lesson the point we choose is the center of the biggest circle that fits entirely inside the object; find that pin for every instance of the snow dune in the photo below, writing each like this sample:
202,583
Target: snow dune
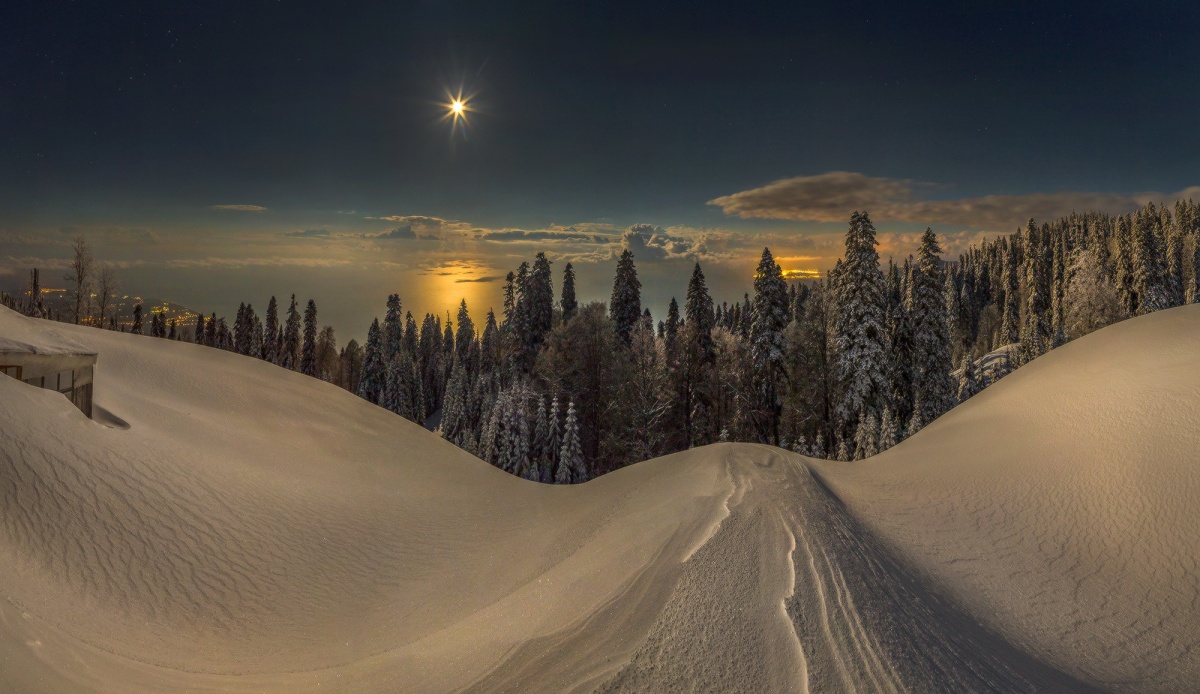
225,525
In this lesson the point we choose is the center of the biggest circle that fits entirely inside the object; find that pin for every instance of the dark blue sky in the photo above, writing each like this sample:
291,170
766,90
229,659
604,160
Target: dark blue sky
588,110
121,118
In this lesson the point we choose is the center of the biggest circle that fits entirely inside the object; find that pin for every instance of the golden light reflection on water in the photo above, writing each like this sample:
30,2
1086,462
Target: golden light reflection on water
440,289
801,274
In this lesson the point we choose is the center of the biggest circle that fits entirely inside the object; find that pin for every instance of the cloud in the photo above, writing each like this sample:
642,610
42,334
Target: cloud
404,232
653,243
489,278
399,233
833,196
240,208
552,235
272,261
310,233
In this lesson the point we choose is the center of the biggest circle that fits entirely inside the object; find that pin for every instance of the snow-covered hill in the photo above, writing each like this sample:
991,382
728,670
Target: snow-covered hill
225,525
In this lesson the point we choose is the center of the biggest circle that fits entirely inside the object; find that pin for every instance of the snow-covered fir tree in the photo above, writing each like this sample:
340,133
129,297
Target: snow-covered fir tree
1010,327
271,333
1035,336
464,340
540,291
1149,268
863,363
541,435
374,371
770,316
934,387
887,430
1091,300
570,457
568,303
866,438
429,363
289,357
696,357
625,307
308,349
553,443
900,335
968,381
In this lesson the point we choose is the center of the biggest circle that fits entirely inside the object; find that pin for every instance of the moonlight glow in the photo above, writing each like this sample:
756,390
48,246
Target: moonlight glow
457,106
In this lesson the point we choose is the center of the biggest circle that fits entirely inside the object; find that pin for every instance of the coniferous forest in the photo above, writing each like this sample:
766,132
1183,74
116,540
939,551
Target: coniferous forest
843,367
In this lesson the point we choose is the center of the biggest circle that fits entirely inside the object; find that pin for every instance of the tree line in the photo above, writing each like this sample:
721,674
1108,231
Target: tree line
842,367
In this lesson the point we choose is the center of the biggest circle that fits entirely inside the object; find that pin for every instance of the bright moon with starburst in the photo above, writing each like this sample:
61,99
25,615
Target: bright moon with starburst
457,107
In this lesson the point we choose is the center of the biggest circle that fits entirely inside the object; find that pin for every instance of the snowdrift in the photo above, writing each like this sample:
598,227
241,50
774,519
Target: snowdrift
225,525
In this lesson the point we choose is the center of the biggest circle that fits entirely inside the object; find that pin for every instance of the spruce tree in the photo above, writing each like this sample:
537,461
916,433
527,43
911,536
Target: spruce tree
1035,338
698,311
1173,243
625,307
374,370
393,329
541,301
1011,320
448,352
289,357
489,345
1149,268
863,364
541,436
308,352
510,300
271,333
866,438
210,331
696,359
464,340
968,382
568,304
411,338
931,333
429,363
570,456
887,430
137,320
454,407
553,443
241,335
1123,265
670,334
256,339
900,335
395,395
770,317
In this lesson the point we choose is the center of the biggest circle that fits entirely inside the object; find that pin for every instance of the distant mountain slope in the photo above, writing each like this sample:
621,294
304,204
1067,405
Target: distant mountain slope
226,525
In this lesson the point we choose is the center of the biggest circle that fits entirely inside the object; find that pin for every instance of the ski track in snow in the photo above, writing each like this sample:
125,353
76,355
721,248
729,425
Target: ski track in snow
229,526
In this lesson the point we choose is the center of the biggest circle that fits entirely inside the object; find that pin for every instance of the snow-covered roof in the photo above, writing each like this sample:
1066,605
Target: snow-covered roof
19,334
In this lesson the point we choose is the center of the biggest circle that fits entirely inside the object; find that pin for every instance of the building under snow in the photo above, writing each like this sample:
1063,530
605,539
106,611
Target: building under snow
32,352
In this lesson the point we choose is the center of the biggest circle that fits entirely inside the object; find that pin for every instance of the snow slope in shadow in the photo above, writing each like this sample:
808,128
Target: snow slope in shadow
257,530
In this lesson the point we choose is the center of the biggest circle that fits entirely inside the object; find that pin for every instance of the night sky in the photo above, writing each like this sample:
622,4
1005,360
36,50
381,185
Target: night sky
227,151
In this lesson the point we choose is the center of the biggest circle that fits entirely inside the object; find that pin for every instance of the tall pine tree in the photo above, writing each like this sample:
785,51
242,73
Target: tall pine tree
625,307
568,304
931,333
308,351
863,362
770,317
